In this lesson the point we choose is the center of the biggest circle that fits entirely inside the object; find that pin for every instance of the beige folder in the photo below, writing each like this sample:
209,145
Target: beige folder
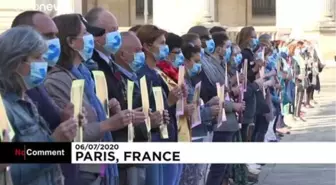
145,101
180,102
77,91
4,122
160,107
221,95
196,116
130,128
101,90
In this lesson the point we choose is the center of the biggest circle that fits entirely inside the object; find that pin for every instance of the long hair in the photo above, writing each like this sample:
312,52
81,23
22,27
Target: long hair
16,45
243,37
69,26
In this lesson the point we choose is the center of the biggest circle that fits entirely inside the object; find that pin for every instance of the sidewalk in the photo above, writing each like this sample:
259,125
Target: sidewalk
320,126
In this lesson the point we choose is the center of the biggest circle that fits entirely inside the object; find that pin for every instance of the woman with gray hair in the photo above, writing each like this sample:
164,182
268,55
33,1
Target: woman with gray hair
23,68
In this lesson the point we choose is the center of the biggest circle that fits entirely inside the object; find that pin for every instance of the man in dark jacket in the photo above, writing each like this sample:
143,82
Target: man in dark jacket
115,63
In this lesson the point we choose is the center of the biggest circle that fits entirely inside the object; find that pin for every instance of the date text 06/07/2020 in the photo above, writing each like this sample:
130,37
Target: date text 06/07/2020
128,156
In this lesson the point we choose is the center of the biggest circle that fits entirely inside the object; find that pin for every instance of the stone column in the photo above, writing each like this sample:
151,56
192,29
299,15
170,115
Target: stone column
207,16
328,11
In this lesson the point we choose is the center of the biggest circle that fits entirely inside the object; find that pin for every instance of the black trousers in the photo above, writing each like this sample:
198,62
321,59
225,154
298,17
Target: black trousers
260,129
220,173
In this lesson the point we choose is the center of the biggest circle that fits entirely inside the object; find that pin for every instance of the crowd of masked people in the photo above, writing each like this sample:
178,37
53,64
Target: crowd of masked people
40,56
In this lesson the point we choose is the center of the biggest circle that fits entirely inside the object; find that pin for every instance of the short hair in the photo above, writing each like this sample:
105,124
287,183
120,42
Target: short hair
243,36
25,18
266,39
201,31
216,29
219,39
16,45
189,38
135,28
173,41
69,26
149,33
93,14
189,49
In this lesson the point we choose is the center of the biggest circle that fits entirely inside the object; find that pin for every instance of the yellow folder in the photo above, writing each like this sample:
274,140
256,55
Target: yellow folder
77,91
101,90
145,101
130,88
160,107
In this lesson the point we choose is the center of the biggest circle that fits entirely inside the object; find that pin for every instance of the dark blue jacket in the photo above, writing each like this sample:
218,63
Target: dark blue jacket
49,112
155,80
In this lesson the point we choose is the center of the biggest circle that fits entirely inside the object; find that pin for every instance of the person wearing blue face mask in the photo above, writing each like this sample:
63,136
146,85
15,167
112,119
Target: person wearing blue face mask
235,60
126,65
23,68
77,42
222,48
248,42
169,66
153,41
191,173
47,28
109,43
211,65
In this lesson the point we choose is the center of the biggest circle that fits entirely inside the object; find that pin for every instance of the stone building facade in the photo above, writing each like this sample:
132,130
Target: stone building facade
311,19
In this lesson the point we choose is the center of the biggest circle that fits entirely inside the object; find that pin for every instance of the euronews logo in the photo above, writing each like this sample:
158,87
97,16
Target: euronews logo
43,7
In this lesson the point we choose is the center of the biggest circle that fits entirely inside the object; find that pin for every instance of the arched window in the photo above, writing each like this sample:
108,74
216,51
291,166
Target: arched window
263,7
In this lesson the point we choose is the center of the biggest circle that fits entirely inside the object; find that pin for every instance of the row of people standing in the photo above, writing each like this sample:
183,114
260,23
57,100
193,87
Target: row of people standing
40,57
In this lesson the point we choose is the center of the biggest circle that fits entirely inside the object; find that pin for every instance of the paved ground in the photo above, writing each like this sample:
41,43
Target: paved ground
320,126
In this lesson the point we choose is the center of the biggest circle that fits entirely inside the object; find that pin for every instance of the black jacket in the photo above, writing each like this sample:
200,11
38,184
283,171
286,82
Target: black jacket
116,89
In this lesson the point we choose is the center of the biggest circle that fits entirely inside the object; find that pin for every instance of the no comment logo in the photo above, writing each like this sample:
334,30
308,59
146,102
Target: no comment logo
44,7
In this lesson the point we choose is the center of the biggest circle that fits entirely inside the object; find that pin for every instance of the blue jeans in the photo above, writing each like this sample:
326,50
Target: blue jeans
172,174
163,174
219,173
154,174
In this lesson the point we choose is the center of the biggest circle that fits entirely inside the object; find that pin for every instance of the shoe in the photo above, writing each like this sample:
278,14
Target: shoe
283,130
273,141
286,126
252,170
280,135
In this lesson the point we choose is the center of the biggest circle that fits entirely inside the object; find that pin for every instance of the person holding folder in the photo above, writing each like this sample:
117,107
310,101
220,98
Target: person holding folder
23,68
154,46
196,173
45,105
77,41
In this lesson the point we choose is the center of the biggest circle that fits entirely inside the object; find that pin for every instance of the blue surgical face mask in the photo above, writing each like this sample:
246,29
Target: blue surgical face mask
254,43
228,54
113,42
87,51
138,62
238,58
210,45
53,53
38,72
164,51
178,60
197,67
